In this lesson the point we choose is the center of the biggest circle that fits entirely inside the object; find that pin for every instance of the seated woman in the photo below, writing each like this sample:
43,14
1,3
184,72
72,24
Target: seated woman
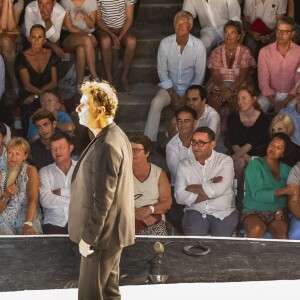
38,73
151,188
248,133
266,191
78,35
284,123
19,192
230,66
9,32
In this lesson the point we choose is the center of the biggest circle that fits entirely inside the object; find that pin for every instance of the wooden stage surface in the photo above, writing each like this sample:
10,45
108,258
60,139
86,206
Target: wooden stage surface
52,262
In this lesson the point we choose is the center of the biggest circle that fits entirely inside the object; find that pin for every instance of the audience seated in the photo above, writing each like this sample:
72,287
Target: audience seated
38,74
55,182
45,123
19,213
230,65
293,203
9,18
204,183
51,102
178,148
283,123
294,13
180,63
294,113
212,16
266,191
196,96
3,152
51,15
248,134
114,19
78,35
152,192
277,68
2,76
259,22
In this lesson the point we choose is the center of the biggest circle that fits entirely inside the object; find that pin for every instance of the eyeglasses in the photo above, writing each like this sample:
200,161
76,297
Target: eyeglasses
137,150
283,32
199,143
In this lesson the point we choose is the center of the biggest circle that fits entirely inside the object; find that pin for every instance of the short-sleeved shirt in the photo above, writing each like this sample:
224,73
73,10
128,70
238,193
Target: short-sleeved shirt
294,176
86,8
114,11
61,117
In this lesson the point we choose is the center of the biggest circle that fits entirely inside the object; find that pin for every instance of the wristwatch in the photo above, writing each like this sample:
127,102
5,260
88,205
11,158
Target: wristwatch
28,223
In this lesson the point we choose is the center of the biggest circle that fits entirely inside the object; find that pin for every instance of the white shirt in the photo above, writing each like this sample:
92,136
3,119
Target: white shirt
33,16
2,76
221,10
211,119
175,152
267,11
55,208
221,202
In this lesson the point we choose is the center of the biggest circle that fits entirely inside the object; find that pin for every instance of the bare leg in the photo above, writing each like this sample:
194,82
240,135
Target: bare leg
106,52
80,64
254,226
130,46
278,229
83,46
9,56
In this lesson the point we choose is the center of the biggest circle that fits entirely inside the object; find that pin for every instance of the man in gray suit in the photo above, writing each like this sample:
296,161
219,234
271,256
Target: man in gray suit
101,213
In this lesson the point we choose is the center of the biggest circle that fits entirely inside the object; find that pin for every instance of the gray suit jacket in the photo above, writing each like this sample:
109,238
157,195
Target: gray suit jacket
102,197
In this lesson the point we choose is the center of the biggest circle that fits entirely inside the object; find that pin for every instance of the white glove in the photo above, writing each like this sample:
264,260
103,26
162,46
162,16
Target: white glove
84,248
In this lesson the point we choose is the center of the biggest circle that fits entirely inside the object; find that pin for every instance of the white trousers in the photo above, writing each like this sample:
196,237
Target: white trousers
160,100
266,104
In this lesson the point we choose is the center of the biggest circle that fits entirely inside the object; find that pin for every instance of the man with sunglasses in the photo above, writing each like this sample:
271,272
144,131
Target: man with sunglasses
278,68
204,183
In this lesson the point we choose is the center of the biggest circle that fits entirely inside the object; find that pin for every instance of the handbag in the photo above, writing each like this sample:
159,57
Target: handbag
259,26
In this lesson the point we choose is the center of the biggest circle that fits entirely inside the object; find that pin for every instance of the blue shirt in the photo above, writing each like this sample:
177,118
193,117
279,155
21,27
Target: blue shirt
180,70
291,111
61,117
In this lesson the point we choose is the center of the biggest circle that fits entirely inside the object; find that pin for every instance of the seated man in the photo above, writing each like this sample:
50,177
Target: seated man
114,19
181,62
277,68
204,183
45,123
178,148
259,22
64,122
212,15
3,153
196,96
294,113
51,15
55,181
293,203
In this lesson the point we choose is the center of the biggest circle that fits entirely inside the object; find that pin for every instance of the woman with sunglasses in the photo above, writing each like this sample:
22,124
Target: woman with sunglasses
152,190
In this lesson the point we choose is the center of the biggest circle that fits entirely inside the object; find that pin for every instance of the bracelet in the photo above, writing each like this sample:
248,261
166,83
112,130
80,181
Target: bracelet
152,209
3,198
28,223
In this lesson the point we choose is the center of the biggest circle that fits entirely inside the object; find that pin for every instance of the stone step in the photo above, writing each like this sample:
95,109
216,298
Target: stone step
134,106
158,11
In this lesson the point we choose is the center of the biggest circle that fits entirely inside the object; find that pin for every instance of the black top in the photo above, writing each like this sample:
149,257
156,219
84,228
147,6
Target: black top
256,135
41,156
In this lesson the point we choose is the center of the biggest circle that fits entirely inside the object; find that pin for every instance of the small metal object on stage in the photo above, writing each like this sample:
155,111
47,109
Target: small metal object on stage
158,278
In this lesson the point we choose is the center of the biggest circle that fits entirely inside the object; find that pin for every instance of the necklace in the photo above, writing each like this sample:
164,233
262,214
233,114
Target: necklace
231,56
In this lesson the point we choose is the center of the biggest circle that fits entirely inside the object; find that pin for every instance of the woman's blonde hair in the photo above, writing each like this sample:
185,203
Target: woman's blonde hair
19,143
287,122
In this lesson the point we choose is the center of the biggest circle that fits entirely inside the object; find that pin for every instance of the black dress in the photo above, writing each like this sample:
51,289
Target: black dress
37,79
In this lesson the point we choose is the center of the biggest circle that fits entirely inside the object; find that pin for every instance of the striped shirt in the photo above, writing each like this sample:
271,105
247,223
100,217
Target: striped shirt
113,12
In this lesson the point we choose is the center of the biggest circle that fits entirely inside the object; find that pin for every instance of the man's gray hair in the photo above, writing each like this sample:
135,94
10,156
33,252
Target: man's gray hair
184,13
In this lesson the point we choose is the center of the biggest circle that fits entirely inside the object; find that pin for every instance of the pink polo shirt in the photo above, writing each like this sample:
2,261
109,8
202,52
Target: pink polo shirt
278,74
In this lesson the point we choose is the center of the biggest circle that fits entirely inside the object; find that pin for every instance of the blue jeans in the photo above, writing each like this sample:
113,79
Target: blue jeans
294,233
194,224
